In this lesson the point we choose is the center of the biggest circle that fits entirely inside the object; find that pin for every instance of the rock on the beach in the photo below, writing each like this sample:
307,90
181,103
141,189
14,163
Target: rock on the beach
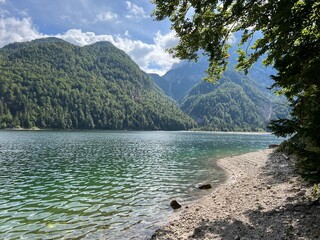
205,186
174,204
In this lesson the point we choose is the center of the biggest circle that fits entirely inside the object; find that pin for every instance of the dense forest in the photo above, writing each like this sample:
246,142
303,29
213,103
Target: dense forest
232,104
49,83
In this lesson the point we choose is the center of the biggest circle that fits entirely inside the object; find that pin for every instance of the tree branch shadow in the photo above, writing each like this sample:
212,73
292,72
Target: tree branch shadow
291,221
279,168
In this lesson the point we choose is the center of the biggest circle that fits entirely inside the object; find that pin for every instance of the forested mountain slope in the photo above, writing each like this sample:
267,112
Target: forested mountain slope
235,103
49,83
232,104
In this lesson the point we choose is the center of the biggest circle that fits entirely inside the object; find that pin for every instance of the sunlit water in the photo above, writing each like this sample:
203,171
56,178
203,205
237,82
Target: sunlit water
105,185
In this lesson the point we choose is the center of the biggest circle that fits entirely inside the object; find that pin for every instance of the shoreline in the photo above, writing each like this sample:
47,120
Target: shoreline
262,198
233,132
130,130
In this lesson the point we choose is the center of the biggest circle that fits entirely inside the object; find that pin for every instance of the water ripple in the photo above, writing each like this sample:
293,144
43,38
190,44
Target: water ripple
114,185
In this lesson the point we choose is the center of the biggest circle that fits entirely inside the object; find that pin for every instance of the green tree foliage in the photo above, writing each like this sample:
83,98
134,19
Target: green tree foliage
49,83
290,40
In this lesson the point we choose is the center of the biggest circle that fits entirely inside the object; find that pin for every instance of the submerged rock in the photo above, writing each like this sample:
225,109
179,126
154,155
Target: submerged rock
205,186
174,204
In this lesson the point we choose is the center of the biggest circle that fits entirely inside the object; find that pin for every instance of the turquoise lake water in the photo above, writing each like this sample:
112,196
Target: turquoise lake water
106,184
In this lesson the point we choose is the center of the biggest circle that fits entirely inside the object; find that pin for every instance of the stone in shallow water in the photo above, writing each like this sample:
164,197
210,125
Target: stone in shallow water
205,186
174,204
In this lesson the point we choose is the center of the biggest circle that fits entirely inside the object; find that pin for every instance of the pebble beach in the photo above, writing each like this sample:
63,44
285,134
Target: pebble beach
263,198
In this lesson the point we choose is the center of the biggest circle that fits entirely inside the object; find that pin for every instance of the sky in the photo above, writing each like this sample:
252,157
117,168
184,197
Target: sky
126,24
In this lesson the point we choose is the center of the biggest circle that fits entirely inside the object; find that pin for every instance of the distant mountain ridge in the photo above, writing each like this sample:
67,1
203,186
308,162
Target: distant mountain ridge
232,104
49,83
178,81
235,103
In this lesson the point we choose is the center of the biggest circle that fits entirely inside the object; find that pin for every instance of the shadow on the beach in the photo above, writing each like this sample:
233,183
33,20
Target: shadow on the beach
298,221
279,168
298,218
290,222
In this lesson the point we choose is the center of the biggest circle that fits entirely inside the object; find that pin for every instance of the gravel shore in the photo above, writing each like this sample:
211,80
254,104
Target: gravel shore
262,199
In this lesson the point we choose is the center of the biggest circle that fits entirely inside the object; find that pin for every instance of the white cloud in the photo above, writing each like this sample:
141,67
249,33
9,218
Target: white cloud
151,57
135,12
166,41
126,33
77,37
106,16
2,1
16,30
232,40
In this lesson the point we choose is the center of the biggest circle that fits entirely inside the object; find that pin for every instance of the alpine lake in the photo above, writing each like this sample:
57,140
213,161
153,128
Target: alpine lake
106,184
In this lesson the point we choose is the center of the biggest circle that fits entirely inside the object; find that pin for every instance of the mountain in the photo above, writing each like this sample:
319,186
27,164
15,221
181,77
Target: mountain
232,104
49,83
178,81
235,103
